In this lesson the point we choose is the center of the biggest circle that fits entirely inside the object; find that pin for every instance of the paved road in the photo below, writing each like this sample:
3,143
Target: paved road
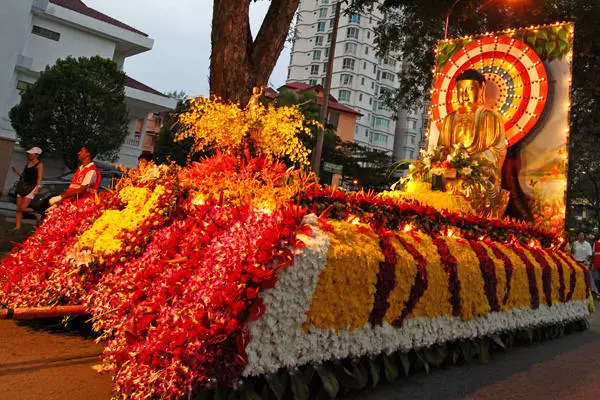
567,369
37,364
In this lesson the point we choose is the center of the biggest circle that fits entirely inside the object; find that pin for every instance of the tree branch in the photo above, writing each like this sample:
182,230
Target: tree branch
271,38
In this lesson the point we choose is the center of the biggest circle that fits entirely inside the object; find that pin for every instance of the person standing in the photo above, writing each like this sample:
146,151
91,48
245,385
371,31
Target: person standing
582,252
86,179
596,263
29,185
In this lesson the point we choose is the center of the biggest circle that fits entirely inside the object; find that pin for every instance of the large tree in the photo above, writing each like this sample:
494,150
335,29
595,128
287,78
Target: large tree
74,102
239,61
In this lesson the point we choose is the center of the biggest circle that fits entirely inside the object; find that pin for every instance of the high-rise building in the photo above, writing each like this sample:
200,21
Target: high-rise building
359,77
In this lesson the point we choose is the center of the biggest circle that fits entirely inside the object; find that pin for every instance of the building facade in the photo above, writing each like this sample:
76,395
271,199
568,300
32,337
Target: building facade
359,77
36,33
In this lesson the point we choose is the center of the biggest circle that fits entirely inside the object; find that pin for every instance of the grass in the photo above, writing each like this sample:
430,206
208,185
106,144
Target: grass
8,237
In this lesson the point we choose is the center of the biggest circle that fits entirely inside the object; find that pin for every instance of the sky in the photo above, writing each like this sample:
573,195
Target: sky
180,58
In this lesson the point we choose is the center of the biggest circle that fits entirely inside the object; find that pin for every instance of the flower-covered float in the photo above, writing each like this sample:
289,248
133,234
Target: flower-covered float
239,277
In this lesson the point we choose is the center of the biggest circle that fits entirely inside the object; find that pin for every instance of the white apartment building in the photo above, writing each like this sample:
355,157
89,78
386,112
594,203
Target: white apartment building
34,34
359,76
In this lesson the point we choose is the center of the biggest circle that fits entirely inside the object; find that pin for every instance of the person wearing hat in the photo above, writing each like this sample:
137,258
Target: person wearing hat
29,185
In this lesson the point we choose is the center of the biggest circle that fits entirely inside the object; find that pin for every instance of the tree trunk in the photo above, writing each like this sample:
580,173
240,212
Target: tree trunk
237,62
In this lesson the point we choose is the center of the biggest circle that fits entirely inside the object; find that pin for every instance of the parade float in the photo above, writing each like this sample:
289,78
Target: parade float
241,277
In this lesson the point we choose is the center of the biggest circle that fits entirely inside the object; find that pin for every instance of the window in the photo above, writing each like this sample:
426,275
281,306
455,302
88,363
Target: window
368,34
323,13
414,124
412,154
366,49
370,20
360,97
372,85
319,41
350,48
382,123
331,22
378,137
412,140
312,82
326,53
321,27
354,19
344,95
314,69
362,82
316,55
365,65
374,68
47,33
387,76
378,75
348,63
346,80
370,100
352,33
329,38
324,1
325,67
22,85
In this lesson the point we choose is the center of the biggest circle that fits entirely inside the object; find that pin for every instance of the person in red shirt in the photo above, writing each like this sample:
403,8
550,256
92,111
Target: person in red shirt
86,179
596,262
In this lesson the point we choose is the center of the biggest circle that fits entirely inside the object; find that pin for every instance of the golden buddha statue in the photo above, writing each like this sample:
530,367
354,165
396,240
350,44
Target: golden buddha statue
481,131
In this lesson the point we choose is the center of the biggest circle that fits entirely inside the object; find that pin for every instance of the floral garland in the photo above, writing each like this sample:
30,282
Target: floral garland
394,215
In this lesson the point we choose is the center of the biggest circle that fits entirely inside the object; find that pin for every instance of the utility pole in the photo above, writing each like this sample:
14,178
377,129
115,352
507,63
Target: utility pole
318,149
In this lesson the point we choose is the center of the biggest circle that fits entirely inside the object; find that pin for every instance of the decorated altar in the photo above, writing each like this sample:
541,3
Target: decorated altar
241,277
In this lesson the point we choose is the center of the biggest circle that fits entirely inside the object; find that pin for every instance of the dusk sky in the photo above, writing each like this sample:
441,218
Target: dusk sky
180,58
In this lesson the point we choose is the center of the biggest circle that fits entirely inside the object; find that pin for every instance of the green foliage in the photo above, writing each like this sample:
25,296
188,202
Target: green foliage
74,102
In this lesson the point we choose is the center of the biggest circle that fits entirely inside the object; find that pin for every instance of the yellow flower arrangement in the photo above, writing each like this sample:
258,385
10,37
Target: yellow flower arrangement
519,291
211,122
555,279
345,293
271,130
501,282
436,299
105,237
406,270
421,192
474,302
580,286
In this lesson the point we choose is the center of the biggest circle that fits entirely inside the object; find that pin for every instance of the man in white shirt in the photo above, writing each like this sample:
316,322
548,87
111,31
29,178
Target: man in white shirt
582,252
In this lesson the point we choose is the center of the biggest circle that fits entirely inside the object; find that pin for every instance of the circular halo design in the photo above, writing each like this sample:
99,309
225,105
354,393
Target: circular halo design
516,83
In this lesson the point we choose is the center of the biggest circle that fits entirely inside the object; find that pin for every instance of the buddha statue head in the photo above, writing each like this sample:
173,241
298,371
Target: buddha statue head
470,89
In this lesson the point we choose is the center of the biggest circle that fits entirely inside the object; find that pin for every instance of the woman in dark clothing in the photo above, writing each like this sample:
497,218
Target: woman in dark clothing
29,185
